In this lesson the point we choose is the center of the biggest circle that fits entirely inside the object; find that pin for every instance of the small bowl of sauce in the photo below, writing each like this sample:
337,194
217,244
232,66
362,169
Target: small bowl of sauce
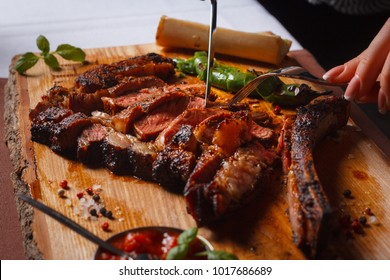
153,243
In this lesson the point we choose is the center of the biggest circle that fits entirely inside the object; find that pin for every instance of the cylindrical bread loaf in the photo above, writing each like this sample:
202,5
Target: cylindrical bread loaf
262,46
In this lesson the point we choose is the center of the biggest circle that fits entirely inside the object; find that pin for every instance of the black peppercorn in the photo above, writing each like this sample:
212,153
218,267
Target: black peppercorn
347,193
96,197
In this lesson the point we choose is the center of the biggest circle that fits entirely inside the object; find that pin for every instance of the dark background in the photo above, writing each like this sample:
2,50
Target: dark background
332,37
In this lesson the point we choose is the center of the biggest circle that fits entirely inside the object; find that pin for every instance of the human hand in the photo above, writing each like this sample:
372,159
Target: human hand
365,71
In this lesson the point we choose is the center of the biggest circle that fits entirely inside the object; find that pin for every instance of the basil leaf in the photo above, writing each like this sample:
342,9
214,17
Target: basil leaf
25,62
178,252
187,236
70,52
52,61
220,255
43,44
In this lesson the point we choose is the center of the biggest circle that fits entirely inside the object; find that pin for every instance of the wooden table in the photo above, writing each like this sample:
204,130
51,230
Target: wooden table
259,231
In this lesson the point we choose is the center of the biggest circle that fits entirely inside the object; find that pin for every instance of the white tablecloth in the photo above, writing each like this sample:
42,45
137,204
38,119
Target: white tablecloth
103,23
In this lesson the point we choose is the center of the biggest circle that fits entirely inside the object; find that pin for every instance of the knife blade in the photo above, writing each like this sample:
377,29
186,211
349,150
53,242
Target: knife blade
210,52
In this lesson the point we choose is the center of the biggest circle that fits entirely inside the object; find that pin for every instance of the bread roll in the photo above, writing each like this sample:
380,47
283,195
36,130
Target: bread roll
262,46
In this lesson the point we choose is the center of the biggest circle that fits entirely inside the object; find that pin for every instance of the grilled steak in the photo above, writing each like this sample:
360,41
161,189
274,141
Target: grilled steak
89,145
125,117
309,207
108,75
176,161
44,119
66,133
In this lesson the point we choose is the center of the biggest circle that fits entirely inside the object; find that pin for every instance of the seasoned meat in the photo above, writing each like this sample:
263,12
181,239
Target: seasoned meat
230,181
309,207
108,75
141,157
43,121
66,133
115,152
151,124
190,117
176,161
89,145
226,130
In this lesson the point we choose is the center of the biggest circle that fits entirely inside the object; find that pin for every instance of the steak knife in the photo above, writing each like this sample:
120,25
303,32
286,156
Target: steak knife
210,52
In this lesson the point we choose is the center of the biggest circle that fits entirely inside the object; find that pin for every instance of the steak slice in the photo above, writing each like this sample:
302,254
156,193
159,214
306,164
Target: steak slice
219,185
44,118
66,133
190,117
141,157
115,155
89,145
176,161
309,208
226,130
149,126
106,76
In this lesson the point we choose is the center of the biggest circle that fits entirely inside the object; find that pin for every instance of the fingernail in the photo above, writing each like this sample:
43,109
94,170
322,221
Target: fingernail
381,102
334,72
353,88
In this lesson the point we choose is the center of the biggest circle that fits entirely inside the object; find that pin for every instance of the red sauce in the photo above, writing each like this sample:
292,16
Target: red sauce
150,241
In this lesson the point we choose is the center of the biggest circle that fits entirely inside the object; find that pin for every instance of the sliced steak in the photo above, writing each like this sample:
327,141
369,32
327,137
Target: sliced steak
66,133
141,157
44,119
226,130
155,121
108,75
222,185
190,117
309,207
89,145
176,161
115,152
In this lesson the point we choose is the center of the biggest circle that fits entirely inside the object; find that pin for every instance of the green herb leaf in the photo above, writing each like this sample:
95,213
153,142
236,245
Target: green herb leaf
52,61
43,44
178,252
70,52
187,236
25,62
220,255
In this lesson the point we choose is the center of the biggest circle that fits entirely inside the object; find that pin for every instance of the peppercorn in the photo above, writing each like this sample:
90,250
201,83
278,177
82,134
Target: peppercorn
89,191
109,214
355,225
347,193
61,192
96,197
105,226
368,211
93,212
64,184
363,220
103,211
80,195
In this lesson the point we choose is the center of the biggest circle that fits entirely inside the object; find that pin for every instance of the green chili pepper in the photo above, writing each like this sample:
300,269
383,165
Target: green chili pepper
232,79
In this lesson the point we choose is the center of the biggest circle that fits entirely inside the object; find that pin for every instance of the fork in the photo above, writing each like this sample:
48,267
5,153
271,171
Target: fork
295,72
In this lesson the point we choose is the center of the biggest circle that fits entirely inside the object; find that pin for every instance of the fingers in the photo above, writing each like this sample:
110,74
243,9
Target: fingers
364,71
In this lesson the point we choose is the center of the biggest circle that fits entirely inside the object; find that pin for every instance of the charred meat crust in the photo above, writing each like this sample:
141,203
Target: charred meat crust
109,75
309,207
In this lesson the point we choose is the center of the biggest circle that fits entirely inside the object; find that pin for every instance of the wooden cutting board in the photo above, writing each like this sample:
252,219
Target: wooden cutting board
260,230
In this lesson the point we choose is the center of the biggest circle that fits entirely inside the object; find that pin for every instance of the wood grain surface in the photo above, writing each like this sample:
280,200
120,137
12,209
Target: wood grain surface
260,230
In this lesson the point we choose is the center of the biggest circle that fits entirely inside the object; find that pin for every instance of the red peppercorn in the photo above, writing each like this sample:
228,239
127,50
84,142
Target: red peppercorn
105,226
355,225
368,211
89,191
277,109
80,195
64,184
